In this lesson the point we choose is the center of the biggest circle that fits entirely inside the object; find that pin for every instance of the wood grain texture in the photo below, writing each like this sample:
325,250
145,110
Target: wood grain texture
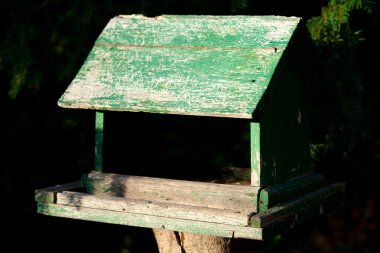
192,65
116,210
179,242
233,197
200,31
48,194
286,117
141,220
168,241
154,208
255,154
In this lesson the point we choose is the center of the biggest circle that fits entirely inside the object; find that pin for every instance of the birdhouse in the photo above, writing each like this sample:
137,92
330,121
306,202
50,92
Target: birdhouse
259,69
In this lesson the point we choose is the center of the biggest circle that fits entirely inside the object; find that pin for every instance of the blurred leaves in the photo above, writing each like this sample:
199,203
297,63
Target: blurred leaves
333,26
19,77
39,49
338,36
238,5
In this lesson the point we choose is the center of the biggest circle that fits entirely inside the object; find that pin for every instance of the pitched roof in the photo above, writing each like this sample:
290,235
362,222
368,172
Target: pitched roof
193,65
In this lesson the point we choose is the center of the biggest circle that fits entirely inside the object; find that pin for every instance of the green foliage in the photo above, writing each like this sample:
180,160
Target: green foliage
338,38
40,51
19,76
238,5
333,25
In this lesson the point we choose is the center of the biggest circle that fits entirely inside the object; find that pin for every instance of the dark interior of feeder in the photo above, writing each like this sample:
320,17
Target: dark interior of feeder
176,146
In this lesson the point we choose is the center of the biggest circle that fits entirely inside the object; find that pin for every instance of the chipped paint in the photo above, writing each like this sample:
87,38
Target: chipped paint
193,65
255,155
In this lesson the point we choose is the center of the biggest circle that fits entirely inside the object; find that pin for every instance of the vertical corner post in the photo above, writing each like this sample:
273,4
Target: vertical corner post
255,154
99,126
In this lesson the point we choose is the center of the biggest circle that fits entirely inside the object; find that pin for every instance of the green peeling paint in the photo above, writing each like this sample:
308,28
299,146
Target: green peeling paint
208,65
255,154
140,220
200,31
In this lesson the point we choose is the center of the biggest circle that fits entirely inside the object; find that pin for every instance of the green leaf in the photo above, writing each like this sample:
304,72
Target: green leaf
18,80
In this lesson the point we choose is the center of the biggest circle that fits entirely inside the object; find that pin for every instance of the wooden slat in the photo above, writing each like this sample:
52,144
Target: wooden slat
304,204
48,194
274,194
140,220
122,211
205,82
207,66
153,208
233,197
200,31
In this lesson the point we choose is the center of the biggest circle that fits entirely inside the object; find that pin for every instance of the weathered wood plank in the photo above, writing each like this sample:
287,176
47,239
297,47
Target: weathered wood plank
117,210
233,197
206,82
140,220
303,204
48,194
274,194
200,31
169,210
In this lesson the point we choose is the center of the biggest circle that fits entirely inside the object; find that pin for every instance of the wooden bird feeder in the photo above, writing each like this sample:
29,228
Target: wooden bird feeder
256,68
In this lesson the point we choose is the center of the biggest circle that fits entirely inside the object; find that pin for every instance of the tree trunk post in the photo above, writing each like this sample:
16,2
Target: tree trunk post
179,242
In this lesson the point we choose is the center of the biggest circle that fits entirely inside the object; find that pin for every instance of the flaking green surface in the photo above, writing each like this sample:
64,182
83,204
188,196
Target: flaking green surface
192,65
255,154
140,220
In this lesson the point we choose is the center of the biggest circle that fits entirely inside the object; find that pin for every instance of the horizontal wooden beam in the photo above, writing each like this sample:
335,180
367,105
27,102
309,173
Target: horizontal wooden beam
159,209
55,201
201,194
149,221
271,195
310,204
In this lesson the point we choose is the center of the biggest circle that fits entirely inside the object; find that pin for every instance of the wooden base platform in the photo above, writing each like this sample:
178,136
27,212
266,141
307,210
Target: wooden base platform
215,209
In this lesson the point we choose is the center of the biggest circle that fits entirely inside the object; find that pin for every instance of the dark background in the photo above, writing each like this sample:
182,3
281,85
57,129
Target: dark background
42,46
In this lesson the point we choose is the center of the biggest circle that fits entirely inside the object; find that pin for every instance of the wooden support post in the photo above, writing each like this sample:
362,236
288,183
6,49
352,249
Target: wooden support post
178,242
255,154
99,125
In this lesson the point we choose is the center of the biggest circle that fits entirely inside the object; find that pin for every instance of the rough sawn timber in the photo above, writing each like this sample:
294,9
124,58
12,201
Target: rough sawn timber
233,197
285,215
141,220
154,208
